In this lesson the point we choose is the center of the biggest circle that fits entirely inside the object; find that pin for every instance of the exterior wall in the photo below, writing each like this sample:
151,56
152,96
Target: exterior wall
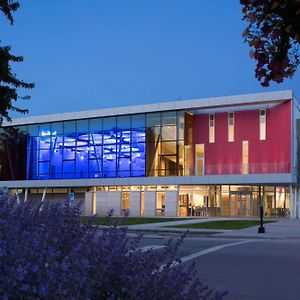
105,201
88,204
135,204
149,204
171,204
223,157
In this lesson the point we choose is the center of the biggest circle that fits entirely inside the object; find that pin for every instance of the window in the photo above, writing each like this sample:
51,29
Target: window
211,128
199,159
262,124
230,127
245,157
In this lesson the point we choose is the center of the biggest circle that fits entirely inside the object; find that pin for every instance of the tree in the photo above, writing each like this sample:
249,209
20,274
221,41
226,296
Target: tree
9,83
273,33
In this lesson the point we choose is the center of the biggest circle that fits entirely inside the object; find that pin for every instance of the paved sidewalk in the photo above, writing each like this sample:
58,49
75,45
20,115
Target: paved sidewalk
281,229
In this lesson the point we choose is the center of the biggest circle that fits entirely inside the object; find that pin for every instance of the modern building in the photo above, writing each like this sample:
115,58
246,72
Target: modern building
205,157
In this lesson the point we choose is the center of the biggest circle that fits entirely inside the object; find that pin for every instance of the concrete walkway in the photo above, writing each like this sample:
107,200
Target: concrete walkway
281,229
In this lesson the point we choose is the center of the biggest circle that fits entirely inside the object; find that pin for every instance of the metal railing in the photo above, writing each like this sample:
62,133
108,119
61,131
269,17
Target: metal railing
257,168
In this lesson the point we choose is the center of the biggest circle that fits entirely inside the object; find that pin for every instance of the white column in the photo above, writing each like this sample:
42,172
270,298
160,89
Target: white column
94,200
44,195
17,196
149,203
298,202
171,209
26,195
135,204
295,202
292,202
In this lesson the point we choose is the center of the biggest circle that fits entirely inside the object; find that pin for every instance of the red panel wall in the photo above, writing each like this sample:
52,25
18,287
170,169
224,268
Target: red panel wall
270,156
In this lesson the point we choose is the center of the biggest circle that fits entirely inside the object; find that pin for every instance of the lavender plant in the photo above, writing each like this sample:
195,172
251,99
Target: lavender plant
47,253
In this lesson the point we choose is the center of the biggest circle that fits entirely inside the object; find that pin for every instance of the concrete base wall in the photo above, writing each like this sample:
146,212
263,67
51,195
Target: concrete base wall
150,199
171,209
106,201
135,204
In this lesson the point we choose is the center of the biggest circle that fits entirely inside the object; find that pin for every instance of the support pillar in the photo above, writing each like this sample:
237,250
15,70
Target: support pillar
292,202
94,199
17,196
44,195
26,195
298,202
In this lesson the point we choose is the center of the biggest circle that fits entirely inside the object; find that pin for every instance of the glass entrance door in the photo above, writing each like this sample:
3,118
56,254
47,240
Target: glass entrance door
241,204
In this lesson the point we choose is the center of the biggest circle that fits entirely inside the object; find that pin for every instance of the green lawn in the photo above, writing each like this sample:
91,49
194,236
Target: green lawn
132,220
227,224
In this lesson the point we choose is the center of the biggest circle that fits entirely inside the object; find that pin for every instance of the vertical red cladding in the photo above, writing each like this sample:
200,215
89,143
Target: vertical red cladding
277,147
223,157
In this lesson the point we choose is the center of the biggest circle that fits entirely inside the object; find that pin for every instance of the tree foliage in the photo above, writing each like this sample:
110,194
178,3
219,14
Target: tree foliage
273,33
46,252
9,83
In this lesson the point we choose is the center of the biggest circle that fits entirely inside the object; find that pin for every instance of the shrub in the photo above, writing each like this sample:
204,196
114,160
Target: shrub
47,253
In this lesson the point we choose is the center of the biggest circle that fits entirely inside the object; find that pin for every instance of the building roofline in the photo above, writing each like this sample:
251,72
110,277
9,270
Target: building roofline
203,103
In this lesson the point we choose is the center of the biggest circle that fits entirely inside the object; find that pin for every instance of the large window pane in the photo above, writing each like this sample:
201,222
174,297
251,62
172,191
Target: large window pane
69,169
95,125
123,122
169,118
82,126
168,132
69,127
138,121
153,119
57,128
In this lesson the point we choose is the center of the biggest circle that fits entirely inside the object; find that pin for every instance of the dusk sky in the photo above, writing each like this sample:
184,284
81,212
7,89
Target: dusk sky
94,54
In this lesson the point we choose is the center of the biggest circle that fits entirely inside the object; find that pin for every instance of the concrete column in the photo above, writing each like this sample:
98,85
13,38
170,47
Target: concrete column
44,195
135,204
171,209
292,202
150,203
298,202
26,195
94,200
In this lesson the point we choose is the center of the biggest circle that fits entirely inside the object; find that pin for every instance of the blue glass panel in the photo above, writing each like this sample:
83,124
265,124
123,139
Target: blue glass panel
33,130
138,136
95,125
44,170
109,124
44,155
138,121
69,169
82,126
123,122
57,128
108,153
109,162
69,127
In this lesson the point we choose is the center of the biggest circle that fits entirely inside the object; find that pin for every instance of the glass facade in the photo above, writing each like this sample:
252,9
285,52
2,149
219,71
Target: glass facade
94,148
119,146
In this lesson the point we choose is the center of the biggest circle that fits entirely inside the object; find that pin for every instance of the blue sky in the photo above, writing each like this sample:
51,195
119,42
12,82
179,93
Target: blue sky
93,54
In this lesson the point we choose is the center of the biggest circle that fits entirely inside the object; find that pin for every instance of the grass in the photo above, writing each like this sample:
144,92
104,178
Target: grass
167,232
132,220
227,224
